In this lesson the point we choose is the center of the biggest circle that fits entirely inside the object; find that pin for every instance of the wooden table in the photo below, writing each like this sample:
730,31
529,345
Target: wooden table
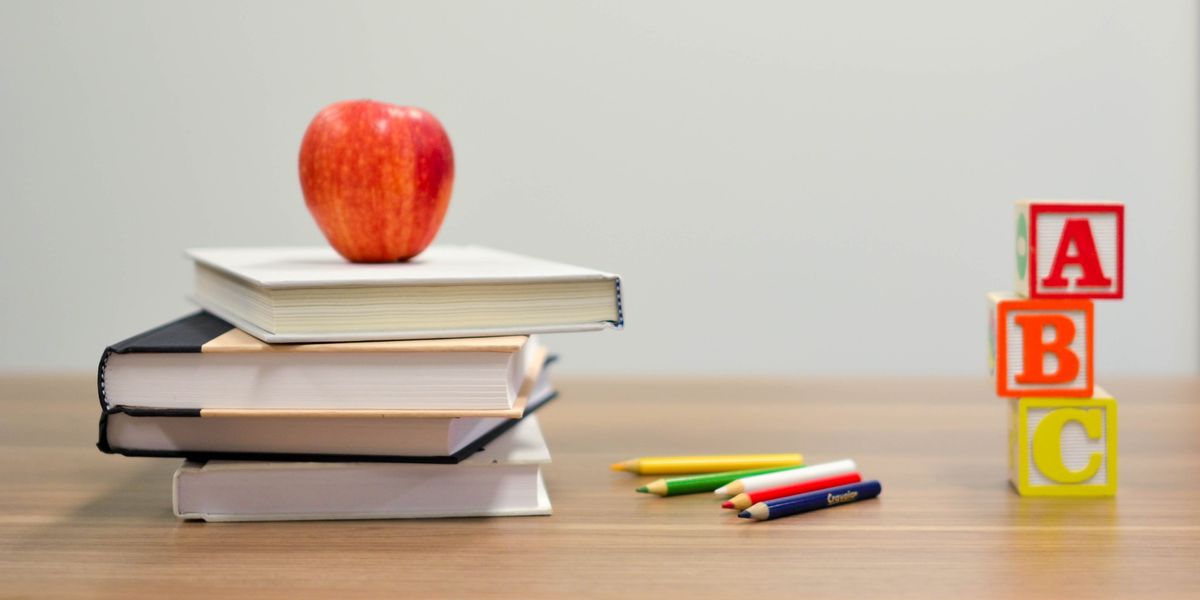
76,522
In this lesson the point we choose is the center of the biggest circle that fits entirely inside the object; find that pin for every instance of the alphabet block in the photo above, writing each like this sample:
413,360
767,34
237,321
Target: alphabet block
1040,348
1063,446
1070,249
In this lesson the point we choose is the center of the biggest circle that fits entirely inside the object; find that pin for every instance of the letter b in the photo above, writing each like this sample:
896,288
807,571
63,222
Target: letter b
1033,328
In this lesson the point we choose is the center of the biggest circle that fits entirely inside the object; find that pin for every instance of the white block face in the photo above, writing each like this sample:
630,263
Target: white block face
1022,250
1049,231
1014,336
1076,448
1014,437
991,338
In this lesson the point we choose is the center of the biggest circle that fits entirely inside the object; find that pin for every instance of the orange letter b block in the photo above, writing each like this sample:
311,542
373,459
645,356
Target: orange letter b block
1041,348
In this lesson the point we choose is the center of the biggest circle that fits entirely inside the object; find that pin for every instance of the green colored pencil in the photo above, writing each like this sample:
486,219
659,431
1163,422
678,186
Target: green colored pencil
708,482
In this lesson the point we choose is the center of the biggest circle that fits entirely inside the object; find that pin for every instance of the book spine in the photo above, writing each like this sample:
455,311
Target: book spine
102,439
620,324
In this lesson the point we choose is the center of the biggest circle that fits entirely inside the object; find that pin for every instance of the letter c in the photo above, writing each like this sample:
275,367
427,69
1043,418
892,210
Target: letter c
1047,444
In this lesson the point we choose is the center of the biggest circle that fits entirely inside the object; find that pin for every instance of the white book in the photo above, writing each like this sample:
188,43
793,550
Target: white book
342,436
303,294
505,479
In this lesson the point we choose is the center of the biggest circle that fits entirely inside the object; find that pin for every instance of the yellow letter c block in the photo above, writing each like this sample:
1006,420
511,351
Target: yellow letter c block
1064,446
1047,444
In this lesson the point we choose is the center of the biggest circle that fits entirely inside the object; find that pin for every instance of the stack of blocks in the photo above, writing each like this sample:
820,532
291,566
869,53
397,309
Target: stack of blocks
1062,427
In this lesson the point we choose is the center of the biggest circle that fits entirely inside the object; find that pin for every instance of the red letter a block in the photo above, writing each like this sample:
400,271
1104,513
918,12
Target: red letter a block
1070,249
1041,348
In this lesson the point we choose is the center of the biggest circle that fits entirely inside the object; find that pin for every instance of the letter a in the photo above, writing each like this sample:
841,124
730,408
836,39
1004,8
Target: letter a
1036,348
1077,232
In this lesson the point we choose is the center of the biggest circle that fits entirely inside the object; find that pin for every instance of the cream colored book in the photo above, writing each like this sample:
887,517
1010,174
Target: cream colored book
505,479
288,295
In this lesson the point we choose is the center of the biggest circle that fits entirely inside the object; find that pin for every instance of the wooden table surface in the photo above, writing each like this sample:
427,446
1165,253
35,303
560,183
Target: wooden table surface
75,522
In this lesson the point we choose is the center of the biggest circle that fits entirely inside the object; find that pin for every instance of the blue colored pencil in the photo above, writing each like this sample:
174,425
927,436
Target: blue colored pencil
801,503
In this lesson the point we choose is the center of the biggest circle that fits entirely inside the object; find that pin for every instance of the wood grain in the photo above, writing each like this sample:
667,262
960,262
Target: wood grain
74,522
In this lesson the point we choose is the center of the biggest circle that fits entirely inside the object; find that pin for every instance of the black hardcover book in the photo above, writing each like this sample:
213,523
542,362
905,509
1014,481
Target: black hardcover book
200,388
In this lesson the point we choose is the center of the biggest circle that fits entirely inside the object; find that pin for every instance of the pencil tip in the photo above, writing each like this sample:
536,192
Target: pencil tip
719,491
617,467
745,514
643,490
727,504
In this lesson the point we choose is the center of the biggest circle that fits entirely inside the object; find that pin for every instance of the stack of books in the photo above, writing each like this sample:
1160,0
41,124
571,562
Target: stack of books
313,388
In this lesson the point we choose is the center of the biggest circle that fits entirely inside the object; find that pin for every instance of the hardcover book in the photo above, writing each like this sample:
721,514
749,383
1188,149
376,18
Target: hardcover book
505,479
288,295
204,365
334,436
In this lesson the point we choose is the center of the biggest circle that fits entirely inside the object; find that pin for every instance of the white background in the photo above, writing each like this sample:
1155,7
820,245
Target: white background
788,188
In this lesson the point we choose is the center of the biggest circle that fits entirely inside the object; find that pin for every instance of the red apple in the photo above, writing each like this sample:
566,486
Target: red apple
376,178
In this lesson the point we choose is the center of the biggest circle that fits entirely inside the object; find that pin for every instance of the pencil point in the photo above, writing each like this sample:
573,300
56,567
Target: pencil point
658,486
643,490
720,491
630,466
745,514
727,504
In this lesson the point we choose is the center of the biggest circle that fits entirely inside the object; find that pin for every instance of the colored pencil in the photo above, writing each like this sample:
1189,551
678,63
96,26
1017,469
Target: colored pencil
802,503
770,480
695,484
682,465
745,500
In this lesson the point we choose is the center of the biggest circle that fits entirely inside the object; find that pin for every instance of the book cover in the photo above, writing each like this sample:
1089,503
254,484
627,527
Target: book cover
291,295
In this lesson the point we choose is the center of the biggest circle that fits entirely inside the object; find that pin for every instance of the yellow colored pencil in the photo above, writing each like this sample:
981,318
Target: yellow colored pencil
678,465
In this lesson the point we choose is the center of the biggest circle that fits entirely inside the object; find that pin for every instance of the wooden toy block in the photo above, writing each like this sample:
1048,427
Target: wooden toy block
1070,249
1040,348
1063,446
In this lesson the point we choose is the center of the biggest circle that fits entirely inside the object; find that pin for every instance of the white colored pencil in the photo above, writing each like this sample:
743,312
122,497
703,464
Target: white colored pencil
789,477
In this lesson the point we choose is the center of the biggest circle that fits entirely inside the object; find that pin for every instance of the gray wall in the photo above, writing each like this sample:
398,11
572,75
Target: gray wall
788,188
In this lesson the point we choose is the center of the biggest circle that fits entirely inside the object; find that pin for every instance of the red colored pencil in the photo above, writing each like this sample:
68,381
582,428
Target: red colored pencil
747,499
